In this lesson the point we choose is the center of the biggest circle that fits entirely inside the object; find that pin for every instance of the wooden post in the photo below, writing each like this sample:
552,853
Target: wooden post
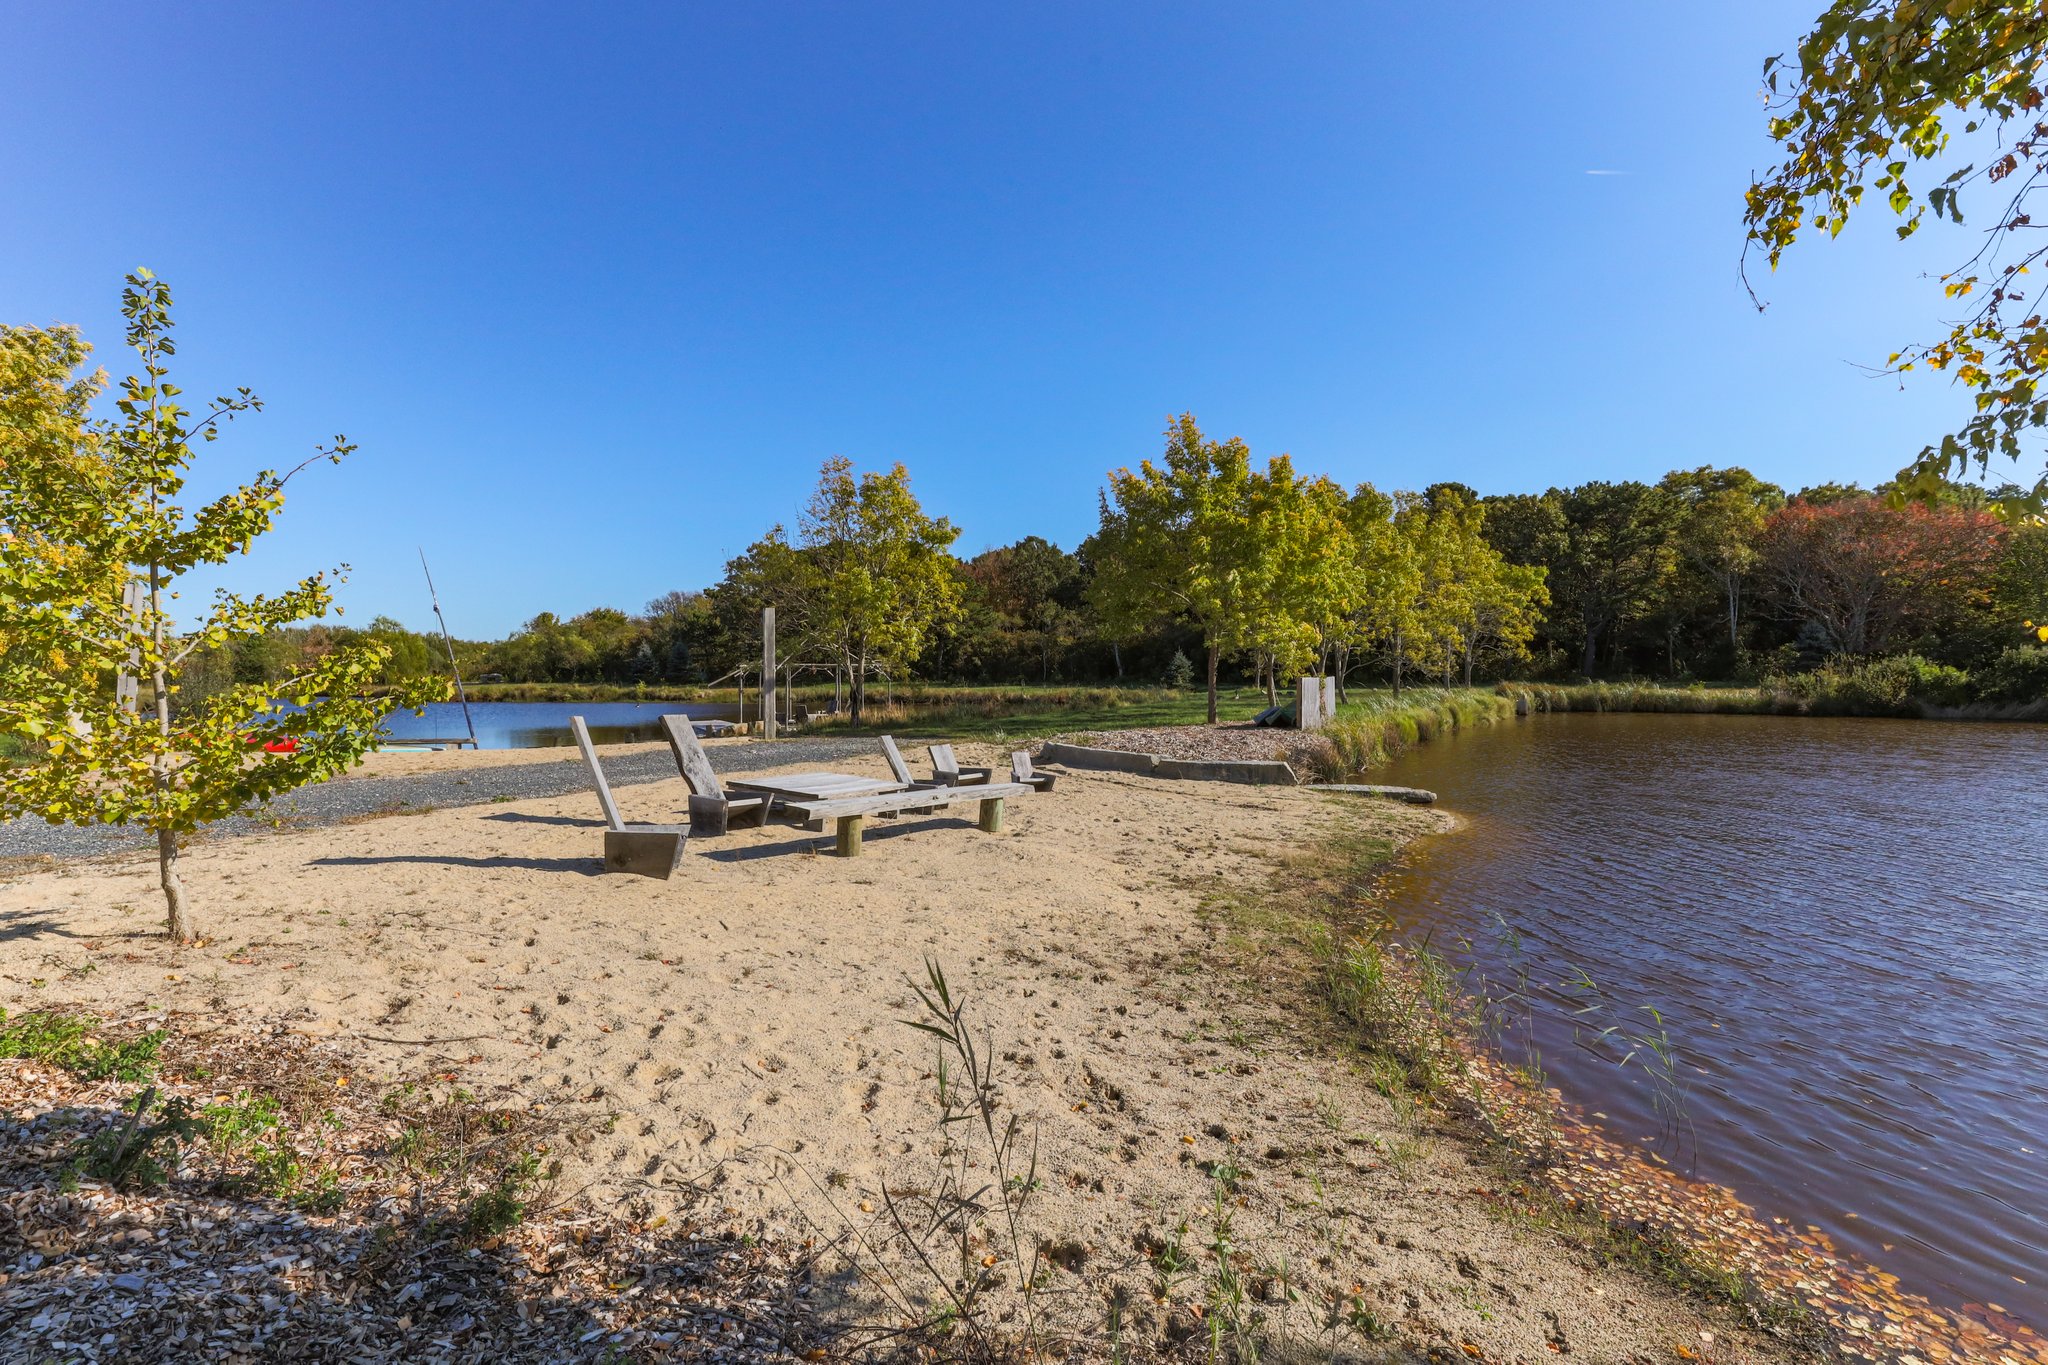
127,682
767,672
992,816
849,836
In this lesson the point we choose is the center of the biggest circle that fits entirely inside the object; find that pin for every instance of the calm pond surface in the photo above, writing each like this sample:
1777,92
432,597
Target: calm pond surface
1845,926
545,724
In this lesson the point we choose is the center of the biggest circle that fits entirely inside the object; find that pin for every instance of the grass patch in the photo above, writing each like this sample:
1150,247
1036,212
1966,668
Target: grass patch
1016,713
72,1043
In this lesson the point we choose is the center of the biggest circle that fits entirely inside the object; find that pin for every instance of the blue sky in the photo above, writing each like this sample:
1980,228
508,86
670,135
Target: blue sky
597,288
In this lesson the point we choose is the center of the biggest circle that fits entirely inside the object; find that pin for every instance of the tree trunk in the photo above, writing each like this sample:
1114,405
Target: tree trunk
1468,663
1592,642
1214,658
1397,664
1343,668
179,920
1272,680
1116,652
1734,616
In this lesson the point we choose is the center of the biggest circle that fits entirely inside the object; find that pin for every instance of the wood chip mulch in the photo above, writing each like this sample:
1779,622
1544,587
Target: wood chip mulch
205,1269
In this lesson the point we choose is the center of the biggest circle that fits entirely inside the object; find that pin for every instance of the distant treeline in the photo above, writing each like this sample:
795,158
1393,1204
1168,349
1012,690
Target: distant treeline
1708,573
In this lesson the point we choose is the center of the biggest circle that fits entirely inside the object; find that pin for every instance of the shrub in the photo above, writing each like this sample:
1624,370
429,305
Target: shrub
1894,686
2016,675
136,1152
1180,672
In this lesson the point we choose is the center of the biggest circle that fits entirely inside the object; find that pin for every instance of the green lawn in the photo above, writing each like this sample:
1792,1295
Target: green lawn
1014,713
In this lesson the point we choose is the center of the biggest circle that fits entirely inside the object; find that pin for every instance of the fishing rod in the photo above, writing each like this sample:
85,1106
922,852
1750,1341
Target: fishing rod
453,667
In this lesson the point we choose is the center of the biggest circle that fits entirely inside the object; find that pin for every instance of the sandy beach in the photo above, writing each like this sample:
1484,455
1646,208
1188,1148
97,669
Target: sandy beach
740,1027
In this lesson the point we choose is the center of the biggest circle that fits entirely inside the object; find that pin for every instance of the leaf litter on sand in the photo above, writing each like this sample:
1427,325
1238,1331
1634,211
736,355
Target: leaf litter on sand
398,1254
1862,1307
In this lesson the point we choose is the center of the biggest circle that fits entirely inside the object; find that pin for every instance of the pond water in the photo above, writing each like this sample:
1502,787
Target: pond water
1844,925
545,724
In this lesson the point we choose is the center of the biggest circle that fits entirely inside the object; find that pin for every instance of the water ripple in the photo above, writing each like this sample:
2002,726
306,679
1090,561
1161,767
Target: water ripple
1843,925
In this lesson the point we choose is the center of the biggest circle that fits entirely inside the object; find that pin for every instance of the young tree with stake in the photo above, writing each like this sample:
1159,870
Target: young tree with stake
86,508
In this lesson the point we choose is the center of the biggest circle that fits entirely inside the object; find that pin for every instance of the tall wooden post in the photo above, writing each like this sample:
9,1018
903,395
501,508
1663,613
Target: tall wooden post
127,680
767,672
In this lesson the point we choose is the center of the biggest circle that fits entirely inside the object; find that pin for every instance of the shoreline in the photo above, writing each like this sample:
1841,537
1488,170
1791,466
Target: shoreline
1551,1146
1172,1082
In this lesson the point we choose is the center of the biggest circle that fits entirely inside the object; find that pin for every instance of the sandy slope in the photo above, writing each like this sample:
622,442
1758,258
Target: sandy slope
742,1021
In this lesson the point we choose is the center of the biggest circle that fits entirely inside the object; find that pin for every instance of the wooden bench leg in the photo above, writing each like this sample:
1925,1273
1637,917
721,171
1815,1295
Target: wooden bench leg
849,836
992,816
647,853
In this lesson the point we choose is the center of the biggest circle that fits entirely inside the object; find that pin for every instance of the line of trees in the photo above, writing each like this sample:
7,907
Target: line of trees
1257,573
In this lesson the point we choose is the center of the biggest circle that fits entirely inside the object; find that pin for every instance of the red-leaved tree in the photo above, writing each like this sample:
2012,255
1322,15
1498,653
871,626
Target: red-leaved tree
1873,576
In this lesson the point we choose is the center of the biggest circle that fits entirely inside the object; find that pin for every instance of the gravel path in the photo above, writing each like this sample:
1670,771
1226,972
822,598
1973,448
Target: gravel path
352,797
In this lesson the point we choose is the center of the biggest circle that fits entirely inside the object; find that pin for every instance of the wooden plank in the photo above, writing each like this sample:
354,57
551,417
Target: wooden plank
604,791
691,760
928,798
897,767
814,786
652,852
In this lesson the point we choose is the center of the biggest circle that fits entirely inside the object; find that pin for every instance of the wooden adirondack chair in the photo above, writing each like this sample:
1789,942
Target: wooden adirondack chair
947,772
901,770
644,849
711,810
1022,771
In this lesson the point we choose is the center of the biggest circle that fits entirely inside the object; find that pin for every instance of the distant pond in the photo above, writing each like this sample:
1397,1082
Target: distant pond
1844,924
545,724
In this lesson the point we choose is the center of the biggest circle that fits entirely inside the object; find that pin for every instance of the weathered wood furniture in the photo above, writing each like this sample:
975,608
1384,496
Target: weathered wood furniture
900,768
946,769
647,850
1022,771
406,742
851,812
711,810
818,786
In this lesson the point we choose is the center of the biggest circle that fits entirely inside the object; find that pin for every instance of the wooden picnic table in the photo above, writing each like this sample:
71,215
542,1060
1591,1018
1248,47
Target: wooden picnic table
819,786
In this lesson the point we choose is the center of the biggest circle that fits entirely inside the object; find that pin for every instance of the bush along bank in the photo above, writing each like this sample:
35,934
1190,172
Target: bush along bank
2013,686
1365,736
1432,1032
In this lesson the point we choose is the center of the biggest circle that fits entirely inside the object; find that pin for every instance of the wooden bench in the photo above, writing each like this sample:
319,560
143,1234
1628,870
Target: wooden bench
400,742
852,811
